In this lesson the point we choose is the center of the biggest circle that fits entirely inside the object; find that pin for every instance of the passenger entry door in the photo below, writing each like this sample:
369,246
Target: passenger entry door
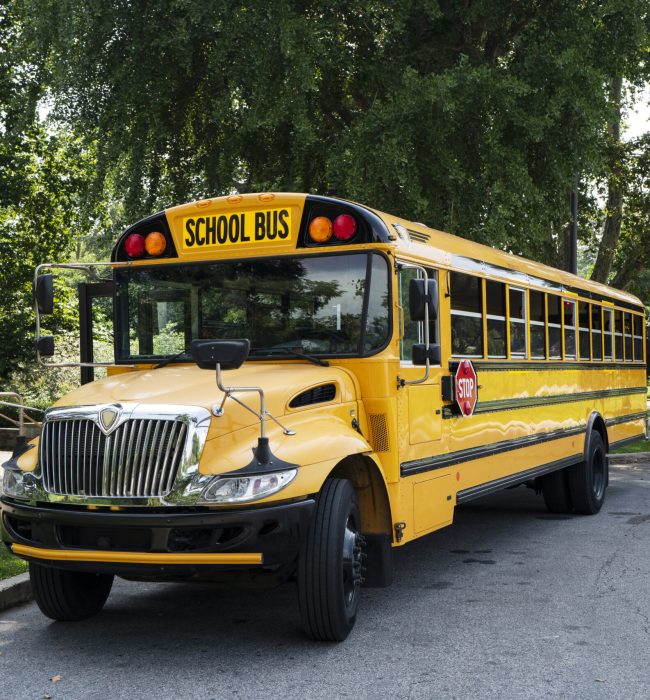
419,405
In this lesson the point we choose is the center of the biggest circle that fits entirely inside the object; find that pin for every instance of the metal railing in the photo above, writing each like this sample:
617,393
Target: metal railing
24,420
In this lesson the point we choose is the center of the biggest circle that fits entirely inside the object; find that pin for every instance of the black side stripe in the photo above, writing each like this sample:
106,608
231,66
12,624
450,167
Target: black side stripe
626,441
626,419
513,479
417,466
532,401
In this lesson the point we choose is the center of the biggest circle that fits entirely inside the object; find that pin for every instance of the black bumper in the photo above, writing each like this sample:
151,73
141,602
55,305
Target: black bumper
274,531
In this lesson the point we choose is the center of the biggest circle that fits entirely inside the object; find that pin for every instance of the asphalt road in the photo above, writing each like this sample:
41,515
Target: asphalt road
509,602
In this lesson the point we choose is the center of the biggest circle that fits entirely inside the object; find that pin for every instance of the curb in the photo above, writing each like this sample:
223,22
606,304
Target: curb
14,591
630,458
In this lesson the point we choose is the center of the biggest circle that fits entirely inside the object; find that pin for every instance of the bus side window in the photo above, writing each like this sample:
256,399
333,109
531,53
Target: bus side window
596,332
607,330
518,344
555,327
495,301
537,325
466,315
627,328
569,329
638,338
618,335
583,322
412,332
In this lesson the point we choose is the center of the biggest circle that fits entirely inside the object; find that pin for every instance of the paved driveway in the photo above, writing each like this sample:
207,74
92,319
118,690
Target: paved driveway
510,602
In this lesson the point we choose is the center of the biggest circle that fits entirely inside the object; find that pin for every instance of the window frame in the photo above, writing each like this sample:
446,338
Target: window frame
468,314
434,324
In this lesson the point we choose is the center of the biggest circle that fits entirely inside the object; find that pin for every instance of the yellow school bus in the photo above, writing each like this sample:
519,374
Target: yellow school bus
301,384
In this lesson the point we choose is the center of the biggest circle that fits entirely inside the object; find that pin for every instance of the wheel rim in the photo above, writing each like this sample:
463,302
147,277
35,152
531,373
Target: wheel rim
598,466
352,558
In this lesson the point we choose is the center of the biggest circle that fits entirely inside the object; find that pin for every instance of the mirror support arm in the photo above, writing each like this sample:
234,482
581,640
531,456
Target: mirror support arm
261,416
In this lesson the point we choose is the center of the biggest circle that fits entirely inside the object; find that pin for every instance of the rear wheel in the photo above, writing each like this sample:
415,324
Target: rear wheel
555,489
588,480
68,595
329,572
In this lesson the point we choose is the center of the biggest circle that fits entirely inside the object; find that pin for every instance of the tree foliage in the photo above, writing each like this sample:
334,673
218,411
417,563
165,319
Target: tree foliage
43,181
474,116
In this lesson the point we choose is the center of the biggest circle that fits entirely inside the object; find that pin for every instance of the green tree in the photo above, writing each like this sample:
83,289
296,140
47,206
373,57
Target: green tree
43,185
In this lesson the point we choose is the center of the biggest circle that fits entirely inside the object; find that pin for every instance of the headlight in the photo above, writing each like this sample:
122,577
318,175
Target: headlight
13,483
246,488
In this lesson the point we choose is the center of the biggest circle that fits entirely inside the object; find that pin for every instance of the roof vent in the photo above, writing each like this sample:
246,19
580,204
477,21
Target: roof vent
318,394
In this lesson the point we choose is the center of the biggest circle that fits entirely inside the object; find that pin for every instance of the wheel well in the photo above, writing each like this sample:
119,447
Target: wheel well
596,422
370,488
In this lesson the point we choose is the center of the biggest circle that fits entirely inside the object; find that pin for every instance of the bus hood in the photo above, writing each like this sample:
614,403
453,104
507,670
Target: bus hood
187,385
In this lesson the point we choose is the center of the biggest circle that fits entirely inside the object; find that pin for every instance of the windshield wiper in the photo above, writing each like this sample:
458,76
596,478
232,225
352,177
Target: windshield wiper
167,360
311,358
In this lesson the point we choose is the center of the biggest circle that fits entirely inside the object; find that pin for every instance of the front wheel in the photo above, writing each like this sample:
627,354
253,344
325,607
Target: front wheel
329,572
68,595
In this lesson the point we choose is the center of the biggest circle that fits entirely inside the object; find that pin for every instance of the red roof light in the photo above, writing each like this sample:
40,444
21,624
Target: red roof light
344,227
134,245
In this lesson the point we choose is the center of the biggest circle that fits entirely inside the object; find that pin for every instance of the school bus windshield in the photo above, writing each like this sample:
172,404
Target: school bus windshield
332,305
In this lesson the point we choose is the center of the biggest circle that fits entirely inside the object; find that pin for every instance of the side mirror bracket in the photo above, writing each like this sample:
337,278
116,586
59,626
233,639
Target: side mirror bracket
223,355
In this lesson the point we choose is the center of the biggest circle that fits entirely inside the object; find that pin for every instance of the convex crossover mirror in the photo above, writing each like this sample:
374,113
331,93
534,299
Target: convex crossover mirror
45,345
419,354
44,293
418,299
228,354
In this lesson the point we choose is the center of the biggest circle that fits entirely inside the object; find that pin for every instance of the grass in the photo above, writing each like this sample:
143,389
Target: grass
9,564
638,446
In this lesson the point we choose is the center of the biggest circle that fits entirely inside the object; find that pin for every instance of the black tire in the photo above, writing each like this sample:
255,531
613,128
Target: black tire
555,489
329,571
588,480
68,595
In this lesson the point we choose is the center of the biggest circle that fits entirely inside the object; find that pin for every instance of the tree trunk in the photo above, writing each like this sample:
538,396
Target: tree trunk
614,210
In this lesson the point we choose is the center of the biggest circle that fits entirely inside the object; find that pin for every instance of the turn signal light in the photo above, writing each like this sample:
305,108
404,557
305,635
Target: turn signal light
155,243
320,229
134,245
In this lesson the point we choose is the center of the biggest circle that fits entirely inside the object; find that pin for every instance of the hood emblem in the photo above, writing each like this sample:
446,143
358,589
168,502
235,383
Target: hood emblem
108,418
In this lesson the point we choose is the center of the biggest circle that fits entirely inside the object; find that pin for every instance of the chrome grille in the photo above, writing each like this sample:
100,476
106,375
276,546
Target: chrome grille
139,459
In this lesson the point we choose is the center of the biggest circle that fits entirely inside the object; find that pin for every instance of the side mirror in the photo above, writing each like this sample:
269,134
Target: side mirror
418,298
419,354
45,345
228,354
44,294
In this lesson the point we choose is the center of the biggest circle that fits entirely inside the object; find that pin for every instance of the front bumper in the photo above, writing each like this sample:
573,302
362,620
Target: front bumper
158,542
